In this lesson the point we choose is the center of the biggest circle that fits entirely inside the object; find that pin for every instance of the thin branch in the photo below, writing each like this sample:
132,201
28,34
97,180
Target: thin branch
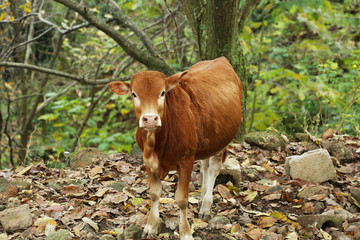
50,99
129,23
80,79
128,46
88,115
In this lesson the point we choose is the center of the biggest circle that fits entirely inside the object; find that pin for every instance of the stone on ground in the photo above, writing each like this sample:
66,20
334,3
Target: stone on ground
232,167
13,219
314,166
86,157
270,140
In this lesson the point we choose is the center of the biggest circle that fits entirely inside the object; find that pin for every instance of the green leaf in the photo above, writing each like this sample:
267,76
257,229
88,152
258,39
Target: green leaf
48,117
104,146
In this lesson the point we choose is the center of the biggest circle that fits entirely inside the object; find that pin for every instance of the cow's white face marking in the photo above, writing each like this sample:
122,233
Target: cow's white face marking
150,111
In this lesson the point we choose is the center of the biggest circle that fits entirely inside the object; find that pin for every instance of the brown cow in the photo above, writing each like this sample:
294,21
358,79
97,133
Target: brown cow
189,116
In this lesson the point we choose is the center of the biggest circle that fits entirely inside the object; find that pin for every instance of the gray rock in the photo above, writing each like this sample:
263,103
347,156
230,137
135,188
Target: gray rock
341,152
319,207
219,222
303,137
86,157
270,140
232,167
244,219
60,235
314,166
13,219
340,236
320,220
311,191
7,189
133,232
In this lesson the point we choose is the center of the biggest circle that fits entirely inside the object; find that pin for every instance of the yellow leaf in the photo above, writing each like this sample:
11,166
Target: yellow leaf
27,7
279,216
167,200
275,89
248,29
12,18
124,111
2,15
268,7
110,105
251,196
4,5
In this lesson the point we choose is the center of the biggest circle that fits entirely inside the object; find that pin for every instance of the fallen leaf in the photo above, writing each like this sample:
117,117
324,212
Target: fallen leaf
345,169
95,171
93,224
292,236
101,192
273,196
328,133
251,196
266,222
167,200
199,224
325,235
308,207
55,208
193,200
74,191
224,191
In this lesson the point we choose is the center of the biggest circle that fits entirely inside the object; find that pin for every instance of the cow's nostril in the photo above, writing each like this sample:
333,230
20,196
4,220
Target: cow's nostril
145,119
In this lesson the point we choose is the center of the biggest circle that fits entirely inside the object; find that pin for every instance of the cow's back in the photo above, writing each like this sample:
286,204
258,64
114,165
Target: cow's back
215,92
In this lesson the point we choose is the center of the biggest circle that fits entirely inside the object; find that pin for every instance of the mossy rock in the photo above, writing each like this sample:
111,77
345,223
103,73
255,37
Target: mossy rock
341,152
7,189
303,137
86,157
59,235
269,140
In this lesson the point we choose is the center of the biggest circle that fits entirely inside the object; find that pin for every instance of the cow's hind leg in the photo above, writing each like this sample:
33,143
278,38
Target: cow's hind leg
153,222
210,168
181,197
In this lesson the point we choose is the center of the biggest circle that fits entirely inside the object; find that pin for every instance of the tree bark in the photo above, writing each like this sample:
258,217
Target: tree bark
215,26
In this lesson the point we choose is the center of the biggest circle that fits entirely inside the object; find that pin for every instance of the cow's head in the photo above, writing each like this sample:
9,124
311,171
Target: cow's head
148,91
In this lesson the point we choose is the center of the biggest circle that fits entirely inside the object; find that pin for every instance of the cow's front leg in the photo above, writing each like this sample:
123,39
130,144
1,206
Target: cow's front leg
181,197
152,226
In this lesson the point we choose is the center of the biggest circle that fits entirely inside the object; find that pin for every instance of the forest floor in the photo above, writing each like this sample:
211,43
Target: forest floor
108,199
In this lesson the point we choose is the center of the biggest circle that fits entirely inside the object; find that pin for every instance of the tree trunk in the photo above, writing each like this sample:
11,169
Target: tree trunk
215,27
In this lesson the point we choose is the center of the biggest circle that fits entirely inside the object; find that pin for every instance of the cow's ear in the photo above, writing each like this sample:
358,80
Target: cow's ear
119,87
173,81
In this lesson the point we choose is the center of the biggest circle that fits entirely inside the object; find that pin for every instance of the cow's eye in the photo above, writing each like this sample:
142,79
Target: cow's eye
163,93
134,95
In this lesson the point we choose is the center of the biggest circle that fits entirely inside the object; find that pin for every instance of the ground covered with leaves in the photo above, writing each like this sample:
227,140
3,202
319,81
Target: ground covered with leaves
107,198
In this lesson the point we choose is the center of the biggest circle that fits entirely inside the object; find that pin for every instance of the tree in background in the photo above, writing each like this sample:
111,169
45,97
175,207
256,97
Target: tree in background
216,25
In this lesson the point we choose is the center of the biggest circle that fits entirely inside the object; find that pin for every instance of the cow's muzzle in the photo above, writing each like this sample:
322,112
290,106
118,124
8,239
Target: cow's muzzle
150,121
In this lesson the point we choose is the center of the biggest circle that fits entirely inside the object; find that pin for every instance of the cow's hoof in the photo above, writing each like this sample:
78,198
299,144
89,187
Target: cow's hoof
151,230
186,237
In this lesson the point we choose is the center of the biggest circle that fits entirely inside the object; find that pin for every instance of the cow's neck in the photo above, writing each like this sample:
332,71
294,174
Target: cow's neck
151,156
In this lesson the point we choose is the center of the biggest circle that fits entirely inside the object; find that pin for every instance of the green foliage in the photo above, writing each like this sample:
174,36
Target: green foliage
308,55
101,130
